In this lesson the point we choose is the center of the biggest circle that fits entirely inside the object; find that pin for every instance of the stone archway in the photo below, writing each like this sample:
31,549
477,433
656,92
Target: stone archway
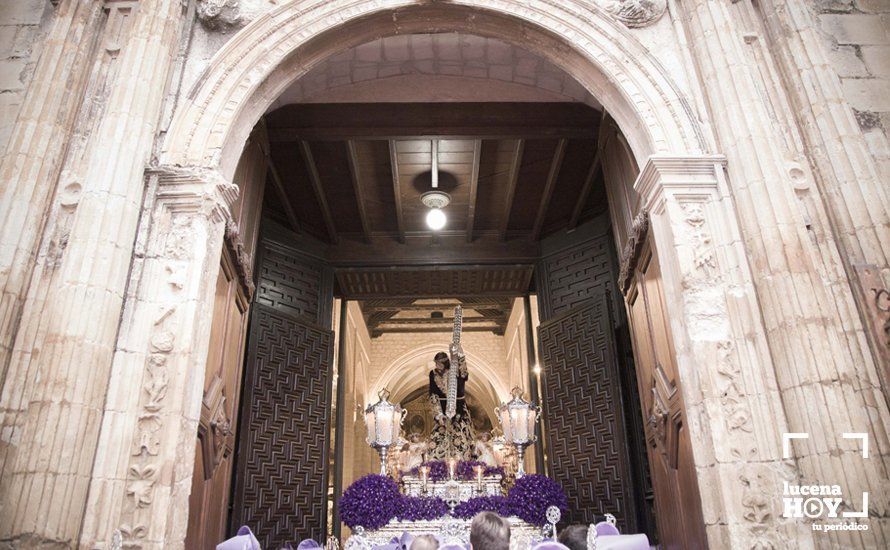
253,68
208,132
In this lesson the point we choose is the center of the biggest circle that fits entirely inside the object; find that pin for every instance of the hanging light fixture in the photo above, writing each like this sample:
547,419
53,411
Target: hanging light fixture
436,201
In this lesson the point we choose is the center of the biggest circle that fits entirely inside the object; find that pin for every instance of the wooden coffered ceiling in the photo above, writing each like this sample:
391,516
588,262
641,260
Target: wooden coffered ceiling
349,177
480,314
352,174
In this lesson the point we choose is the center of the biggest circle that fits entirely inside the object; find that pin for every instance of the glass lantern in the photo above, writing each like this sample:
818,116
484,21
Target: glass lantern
383,421
518,418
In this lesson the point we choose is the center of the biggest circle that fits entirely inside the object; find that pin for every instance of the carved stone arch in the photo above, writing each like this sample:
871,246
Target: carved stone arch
209,128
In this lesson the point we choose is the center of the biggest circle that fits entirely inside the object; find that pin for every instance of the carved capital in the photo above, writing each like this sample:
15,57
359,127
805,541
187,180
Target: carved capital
701,174
195,189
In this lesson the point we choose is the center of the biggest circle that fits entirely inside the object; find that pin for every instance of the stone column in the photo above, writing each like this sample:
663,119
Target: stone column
733,405
143,472
33,158
52,404
856,200
825,371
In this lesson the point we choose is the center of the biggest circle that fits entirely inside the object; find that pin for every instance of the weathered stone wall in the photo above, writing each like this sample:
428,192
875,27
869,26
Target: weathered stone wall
856,35
22,27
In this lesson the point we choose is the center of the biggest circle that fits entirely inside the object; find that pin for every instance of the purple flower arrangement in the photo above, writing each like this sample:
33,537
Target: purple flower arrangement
469,508
372,501
422,508
532,495
464,471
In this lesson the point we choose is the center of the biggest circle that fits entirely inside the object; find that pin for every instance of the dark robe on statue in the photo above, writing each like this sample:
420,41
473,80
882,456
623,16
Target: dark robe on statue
452,438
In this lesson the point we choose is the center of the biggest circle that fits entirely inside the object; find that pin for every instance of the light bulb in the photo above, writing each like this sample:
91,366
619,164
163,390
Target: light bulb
536,369
436,219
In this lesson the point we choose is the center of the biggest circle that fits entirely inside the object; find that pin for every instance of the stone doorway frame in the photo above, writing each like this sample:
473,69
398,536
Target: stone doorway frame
141,479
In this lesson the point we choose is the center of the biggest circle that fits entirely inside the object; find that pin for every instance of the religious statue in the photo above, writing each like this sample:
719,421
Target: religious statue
485,450
413,452
453,435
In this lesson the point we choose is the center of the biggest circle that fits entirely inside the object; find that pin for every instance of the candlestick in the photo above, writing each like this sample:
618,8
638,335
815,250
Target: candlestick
479,478
424,472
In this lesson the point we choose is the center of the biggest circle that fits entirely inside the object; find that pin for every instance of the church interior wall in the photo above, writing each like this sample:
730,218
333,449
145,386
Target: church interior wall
358,458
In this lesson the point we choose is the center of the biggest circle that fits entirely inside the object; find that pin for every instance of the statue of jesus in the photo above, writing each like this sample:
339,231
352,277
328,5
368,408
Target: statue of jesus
451,437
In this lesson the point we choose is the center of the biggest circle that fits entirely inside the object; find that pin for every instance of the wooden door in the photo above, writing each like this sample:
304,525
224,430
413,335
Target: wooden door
586,435
211,480
281,475
677,501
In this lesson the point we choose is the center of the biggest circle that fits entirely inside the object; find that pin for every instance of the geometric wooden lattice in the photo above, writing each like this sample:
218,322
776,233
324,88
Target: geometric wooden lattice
585,429
281,480
573,275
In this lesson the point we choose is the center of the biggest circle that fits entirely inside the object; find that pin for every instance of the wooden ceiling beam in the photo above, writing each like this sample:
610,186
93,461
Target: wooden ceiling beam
448,251
474,187
318,188
443,328
396,189
549,186
320,122
493,304
279,188
515,166
441,321
591,174
354,171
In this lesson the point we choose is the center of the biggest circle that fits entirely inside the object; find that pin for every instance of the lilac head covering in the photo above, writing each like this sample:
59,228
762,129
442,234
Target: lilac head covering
244,540
605,529
549,545
400,543
453,546
309,544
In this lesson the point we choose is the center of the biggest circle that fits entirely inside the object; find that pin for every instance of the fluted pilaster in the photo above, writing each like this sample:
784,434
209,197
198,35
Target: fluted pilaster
53,413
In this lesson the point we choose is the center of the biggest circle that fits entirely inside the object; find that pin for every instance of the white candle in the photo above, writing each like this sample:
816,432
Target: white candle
452,464
384,427
479,476
424,472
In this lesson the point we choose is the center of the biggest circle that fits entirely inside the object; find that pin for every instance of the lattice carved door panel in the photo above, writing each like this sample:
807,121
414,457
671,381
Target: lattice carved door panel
585,429
281,486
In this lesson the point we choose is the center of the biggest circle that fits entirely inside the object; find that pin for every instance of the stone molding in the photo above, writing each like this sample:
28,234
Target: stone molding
164,336
726,373
209,128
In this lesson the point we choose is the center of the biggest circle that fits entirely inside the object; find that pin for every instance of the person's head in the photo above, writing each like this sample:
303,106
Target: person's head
442,361
489,531
425,542
485,437
575,537
414,437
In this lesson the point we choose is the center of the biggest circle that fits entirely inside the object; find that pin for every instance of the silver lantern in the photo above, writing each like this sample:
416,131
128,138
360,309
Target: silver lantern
518,418
384,422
